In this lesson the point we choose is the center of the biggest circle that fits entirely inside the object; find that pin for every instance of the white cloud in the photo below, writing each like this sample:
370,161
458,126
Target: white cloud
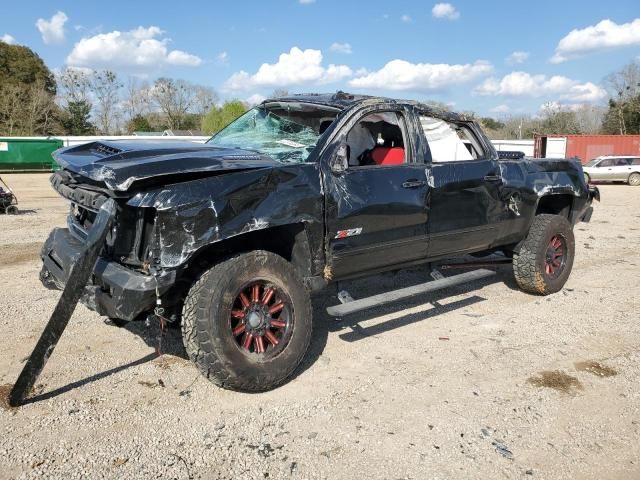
403,75
52,30
6,38
522,84
293,68
517,57
222,57
306,2
255,99
604,35
446,11
341,48
502,108
178,57
138,49
406,18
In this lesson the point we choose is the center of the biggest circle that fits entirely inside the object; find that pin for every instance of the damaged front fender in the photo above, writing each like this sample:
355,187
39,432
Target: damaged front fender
194,214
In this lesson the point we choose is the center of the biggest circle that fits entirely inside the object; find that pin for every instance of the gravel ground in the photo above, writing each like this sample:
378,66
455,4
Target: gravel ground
480,381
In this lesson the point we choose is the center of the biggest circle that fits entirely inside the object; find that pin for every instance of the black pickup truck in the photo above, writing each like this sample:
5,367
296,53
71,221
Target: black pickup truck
231,237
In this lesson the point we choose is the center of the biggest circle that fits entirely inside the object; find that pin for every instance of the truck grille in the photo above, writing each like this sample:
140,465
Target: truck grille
80,220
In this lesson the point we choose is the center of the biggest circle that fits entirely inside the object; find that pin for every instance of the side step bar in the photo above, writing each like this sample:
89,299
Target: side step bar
394,295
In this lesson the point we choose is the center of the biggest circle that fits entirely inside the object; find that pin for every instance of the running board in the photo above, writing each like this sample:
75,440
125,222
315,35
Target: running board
394,295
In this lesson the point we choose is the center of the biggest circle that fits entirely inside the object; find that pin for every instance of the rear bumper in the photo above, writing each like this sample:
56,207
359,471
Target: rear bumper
113,290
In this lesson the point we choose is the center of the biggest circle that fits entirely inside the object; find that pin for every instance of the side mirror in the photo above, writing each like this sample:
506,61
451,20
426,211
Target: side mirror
340,161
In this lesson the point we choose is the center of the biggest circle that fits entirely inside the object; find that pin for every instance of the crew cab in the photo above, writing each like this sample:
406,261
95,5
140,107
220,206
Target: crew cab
231,237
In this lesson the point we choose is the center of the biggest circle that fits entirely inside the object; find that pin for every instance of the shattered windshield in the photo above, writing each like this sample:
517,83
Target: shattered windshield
288,137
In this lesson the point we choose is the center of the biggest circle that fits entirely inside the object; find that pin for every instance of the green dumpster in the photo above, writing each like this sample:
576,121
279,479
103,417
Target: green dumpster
28,154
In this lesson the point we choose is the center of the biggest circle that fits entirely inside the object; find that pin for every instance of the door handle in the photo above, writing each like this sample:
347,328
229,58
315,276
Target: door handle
492,178
413,183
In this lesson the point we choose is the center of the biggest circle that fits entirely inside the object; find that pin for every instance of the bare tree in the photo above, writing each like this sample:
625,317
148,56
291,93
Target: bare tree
40,110
105,87
204,99
11,108
624,87
137,101
557,118
76,85
174,98
589,118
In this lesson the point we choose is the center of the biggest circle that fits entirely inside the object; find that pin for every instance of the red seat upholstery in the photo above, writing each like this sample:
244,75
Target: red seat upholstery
388,156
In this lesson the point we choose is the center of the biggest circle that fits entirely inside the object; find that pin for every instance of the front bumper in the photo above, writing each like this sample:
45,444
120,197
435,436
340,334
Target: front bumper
113,290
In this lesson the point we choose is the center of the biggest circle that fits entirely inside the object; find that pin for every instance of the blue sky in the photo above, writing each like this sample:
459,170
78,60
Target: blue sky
461,52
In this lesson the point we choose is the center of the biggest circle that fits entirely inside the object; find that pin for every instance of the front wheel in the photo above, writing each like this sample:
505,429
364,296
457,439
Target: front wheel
246,323
544,260
634,179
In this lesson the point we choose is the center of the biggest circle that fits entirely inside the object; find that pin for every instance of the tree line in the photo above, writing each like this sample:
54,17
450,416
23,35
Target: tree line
35,101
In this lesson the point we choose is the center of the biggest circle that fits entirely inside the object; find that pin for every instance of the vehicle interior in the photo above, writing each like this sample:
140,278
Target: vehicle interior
377,139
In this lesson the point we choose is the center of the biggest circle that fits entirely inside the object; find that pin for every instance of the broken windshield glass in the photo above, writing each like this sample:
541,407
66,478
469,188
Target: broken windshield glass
263,131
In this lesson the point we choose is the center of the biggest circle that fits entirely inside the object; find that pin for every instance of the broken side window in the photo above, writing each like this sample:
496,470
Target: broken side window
450,142
377,139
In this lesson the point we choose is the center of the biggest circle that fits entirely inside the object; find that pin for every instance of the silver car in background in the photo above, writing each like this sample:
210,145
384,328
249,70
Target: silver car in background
620,168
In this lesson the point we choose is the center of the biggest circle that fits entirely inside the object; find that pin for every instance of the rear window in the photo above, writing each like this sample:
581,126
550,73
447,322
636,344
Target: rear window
635,161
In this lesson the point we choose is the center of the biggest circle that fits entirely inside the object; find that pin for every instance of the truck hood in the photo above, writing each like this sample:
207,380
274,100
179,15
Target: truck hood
120,164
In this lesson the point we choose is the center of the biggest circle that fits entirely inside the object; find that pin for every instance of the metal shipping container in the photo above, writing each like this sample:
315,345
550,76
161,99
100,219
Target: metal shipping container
585,147
23,155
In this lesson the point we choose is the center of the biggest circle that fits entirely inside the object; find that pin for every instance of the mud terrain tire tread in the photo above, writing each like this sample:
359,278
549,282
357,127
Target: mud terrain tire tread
528,263
204,337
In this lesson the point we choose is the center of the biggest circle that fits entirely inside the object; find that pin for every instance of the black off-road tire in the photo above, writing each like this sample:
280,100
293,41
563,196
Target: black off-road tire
206,331
12,210
529,262
634,179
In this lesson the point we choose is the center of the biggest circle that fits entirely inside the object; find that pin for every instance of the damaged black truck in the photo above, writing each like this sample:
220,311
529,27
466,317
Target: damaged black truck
231,237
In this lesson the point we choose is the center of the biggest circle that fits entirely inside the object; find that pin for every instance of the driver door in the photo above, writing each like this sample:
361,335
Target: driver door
376,215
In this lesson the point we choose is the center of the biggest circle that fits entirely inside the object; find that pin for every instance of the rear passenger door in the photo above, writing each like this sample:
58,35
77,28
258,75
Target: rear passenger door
621,169
466,209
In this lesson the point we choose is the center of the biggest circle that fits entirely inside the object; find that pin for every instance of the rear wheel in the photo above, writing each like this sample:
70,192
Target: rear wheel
634,179
12,210
247,322
544,261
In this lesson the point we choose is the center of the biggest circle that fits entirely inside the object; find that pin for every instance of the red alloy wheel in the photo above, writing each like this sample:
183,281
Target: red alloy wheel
555,256
261,319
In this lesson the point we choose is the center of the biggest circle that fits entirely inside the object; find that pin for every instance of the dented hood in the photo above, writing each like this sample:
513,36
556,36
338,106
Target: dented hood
121,164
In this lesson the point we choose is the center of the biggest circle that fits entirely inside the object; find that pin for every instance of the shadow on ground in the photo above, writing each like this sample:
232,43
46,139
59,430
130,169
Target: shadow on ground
351,328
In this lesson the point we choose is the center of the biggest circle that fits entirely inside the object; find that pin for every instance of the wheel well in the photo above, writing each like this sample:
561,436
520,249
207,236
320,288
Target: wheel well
288,241
555,205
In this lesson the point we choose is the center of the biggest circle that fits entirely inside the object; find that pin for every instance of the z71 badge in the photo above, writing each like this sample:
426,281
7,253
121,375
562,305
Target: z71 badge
348,233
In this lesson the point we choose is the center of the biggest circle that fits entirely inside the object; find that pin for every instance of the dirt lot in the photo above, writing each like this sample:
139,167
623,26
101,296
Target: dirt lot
480,381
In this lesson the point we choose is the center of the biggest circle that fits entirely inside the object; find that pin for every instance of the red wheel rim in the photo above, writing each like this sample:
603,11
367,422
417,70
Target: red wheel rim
261,319
555,256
